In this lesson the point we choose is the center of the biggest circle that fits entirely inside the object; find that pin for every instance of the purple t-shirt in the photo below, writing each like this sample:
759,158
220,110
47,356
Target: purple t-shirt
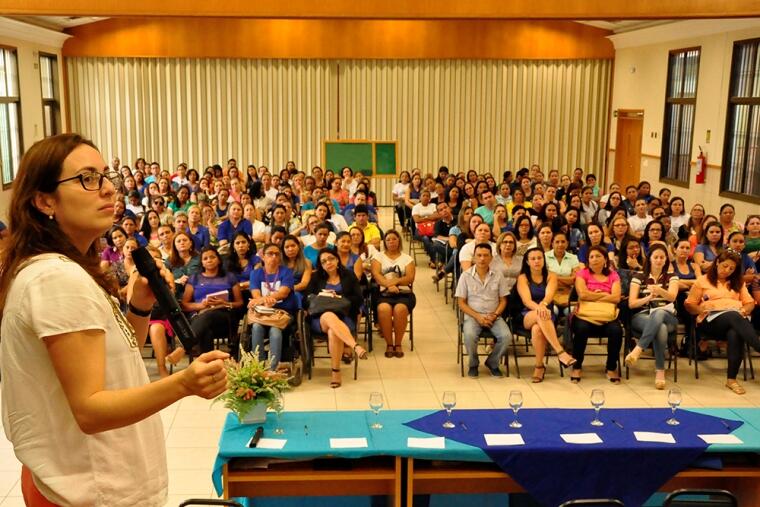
111,255
593,284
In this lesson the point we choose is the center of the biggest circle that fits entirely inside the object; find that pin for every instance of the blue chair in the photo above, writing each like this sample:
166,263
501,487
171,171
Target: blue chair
701,498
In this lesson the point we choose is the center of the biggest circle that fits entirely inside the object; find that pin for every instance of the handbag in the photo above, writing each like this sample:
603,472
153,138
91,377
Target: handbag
426,228
597,312
318,304
269,317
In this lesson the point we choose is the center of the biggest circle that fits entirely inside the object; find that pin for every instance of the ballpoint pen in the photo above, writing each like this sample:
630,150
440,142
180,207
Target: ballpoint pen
617,424
724,423
305,430
463,426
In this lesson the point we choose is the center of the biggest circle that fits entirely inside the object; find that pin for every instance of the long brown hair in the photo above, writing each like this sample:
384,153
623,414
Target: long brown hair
32,232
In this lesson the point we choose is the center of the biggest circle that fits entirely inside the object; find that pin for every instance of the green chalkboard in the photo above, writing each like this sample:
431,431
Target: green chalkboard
385,159
356,155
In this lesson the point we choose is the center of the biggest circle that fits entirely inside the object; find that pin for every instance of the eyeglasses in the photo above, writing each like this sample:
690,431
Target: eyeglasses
158,203
272,254
93,180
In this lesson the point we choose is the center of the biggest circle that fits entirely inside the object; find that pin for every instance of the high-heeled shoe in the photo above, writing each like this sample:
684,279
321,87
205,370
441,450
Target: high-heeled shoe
360,352
335,383
570,361
538,379
633,356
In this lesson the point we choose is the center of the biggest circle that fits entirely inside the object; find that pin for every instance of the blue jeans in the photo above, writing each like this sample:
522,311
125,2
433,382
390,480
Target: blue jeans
471,331
258,334
655,327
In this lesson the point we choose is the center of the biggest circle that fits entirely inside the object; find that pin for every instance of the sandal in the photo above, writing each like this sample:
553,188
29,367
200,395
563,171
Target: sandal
399,352
335,383
360,352
736,387
389,351
569,362
616,379
536,379
575,380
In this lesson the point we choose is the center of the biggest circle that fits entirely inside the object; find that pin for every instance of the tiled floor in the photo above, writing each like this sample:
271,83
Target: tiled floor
418,380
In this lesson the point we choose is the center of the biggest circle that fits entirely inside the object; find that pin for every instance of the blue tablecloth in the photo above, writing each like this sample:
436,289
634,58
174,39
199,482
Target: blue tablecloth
401,424
553,471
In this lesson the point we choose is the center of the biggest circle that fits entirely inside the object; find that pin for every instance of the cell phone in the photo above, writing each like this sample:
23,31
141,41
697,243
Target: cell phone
254,441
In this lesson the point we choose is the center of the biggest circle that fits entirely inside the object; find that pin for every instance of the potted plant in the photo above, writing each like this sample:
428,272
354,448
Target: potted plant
252,387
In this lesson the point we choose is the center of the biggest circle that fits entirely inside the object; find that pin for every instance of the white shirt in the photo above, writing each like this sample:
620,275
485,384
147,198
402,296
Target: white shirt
639,224
677,222
423,211
271,194
122,467
399,190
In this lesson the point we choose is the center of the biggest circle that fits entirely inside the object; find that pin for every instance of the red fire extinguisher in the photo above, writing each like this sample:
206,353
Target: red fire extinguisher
701,166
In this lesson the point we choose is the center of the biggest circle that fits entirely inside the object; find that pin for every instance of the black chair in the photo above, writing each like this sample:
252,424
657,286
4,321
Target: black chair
700,498
599,502
312,340
513,317
486,338
697,335
293,347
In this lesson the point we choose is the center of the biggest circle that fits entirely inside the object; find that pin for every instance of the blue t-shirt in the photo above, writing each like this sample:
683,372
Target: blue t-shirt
141,241
311,253
227,230
269,284
707,251
204,285
583,252
201,239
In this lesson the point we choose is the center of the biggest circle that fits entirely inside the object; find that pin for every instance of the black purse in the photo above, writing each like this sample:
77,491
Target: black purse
318,304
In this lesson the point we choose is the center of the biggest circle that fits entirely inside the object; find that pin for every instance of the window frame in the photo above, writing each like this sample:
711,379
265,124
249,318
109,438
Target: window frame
732,101
669,102
17,101
55,102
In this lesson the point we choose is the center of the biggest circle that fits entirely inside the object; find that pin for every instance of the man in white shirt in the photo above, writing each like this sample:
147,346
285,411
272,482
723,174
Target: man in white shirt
639,221
269,190
482,297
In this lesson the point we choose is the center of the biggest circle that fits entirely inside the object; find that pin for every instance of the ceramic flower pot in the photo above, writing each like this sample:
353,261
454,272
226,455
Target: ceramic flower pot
257,414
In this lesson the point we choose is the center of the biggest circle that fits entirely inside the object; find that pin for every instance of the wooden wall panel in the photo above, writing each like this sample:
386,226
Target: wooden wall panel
336,38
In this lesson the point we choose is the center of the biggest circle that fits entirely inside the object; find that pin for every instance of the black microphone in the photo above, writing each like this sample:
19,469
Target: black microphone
146,266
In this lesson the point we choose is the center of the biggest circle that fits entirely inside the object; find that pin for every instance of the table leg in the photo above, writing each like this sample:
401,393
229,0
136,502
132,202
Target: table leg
225,482
409,482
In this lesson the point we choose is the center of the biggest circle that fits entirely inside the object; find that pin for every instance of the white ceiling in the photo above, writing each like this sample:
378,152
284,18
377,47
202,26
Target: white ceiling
626,25
58,23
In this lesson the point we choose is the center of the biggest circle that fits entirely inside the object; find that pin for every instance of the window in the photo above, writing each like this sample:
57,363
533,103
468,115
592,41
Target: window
741,163
10,115
680,103
51,111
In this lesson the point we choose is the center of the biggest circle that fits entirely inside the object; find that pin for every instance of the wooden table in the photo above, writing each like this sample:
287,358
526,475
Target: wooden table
381,475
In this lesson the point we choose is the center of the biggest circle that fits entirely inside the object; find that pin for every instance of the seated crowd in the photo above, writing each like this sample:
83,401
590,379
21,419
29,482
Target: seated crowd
558,260
562,253
237,240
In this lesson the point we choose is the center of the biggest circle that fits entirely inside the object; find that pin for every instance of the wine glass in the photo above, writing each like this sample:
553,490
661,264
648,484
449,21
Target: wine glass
449,402
278,408
376,403
597,400
516,402
674,400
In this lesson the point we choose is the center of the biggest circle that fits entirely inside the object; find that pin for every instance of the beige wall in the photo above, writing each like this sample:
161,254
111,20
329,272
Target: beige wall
31,98
639,82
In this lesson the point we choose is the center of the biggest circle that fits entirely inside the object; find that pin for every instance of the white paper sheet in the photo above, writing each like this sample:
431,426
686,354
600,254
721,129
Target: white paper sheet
721,439
271,443
426,443
499,439
651,436
347,443
581,438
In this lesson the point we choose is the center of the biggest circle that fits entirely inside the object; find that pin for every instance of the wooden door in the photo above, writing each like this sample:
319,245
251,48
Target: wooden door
630,126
